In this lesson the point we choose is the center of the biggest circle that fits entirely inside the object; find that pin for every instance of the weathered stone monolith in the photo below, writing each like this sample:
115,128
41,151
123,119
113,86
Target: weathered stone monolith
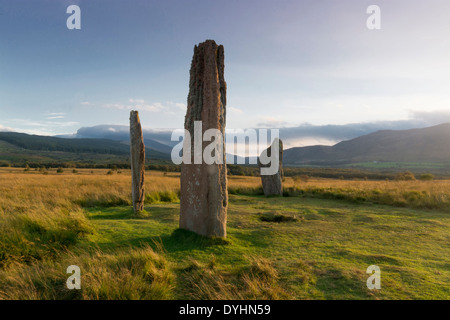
204,197
273,184
137,150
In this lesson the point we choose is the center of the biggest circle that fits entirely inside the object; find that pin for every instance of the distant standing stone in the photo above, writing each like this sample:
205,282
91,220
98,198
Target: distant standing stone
273,184
204,195
137,149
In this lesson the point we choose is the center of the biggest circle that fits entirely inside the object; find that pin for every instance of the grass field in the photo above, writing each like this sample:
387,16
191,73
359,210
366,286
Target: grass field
399,165
316,242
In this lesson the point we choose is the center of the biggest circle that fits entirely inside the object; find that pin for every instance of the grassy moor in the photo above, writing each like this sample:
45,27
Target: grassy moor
315,242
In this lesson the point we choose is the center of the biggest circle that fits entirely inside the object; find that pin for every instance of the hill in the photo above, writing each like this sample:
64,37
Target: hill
158,139
20,148
401,149
427,145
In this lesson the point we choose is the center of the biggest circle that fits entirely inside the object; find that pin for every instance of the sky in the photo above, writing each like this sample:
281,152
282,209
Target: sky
287,63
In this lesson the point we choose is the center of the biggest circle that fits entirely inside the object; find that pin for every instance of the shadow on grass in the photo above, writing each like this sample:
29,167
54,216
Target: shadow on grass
178,240
275,217
112,214
190,240
121,214
335,283
368,258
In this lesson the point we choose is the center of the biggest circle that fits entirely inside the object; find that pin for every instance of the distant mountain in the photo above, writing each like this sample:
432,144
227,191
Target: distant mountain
21,147
158,140
303,135
425,145
430,144
46,143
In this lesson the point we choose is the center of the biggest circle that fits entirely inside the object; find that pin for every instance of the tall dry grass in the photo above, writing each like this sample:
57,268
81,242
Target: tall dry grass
413,194
42,213
258,280
42,218
46,194
131,274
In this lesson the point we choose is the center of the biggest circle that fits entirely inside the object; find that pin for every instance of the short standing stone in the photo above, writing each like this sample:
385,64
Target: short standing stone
204,197
137,150
273,184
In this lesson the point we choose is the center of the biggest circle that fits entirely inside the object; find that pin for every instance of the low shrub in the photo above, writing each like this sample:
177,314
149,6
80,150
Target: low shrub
405,176
427,177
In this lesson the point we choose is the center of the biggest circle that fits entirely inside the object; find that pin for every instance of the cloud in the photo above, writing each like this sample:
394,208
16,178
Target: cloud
181,106
38,132
140,101
55,117
46,127
141,105
271,122
5,129
235,110
431,117
55,113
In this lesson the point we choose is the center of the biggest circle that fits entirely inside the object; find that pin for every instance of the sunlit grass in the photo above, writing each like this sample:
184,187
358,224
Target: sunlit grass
314,243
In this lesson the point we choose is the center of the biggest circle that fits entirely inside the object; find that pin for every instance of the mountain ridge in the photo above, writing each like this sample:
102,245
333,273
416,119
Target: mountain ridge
22,148
430,144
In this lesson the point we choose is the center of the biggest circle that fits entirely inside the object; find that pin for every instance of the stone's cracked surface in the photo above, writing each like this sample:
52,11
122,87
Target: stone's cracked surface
137,151
204,196
273,184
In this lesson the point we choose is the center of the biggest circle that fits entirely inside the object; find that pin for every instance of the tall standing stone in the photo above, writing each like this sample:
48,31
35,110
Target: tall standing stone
273,184
204,196
137,150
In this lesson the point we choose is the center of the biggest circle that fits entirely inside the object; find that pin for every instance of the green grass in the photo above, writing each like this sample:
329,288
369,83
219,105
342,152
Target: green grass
277,248
35,237
322,254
